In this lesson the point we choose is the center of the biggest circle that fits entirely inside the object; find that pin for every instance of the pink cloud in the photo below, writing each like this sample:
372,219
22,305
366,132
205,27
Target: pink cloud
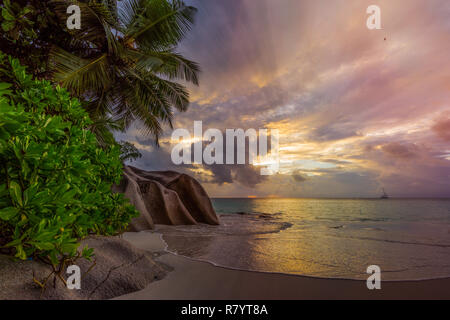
400,151
442,128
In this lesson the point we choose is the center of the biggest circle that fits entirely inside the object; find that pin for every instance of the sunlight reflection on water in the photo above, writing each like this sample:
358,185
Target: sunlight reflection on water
408,239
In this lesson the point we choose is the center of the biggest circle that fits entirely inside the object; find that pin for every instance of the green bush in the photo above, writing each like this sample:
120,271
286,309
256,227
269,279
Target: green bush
55,180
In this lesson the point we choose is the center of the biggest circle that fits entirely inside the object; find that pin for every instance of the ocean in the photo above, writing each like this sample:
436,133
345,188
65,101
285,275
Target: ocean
409,239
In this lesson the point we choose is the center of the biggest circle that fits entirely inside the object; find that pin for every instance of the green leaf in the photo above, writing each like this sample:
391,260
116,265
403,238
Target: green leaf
21,253
8,25
43,245
13,243
42,225
53,258
15,192
4,85
69,247
8,213
69,195
3,191
7,15
30,193
87,253
45,236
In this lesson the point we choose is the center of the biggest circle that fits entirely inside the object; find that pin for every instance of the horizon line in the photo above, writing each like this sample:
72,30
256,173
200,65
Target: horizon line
340,198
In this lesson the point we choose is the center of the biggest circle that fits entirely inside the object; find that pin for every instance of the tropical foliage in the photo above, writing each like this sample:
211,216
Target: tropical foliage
122,63
55,180
128,152
58,156
29,29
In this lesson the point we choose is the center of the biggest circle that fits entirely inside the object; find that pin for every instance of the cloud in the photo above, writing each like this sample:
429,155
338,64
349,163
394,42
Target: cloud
400,151
245,174
339,94
221,174
248,176
159,159
298,177
333,133
442,128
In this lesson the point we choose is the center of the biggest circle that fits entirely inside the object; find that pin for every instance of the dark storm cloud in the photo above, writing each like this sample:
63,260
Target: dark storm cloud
248,176
298,177
245,175
159,159
222,174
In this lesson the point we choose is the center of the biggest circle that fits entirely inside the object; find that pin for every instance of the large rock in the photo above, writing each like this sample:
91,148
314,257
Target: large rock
169,198
120,268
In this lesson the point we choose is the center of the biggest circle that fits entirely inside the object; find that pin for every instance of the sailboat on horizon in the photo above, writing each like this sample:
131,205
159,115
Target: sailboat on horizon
384,195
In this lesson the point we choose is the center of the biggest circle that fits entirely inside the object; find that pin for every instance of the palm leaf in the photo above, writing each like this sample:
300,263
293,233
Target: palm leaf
79,75
97,19
173,92
157,24
175,66
123,65
103,126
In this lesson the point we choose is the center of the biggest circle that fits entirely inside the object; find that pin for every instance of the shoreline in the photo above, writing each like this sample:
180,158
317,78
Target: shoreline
194,279
166,249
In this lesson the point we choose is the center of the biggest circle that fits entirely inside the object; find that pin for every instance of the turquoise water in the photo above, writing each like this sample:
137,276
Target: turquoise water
408,239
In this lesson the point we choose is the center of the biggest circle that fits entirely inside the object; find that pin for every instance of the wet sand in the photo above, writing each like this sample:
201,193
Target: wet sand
195,280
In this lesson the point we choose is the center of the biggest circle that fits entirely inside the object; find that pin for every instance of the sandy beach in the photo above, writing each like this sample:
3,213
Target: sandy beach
196,280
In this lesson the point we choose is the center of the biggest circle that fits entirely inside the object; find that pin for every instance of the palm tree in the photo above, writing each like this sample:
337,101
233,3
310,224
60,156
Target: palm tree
123,62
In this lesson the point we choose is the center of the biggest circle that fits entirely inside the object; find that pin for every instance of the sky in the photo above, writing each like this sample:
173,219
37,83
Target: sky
358,110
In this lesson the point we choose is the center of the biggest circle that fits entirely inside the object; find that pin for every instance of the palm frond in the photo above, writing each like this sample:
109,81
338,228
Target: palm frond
157,24
123,65
128,12
143,61
175,66
173,92
97,18
148,95
103,126
79,75
132,102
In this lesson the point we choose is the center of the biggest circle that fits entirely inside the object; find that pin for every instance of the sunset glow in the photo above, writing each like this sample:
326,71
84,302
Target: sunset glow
357,109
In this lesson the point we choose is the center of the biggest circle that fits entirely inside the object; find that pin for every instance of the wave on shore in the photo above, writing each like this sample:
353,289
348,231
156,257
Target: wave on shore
278,243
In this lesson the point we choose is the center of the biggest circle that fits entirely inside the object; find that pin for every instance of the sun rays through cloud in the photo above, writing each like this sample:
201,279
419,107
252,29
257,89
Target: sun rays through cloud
357,110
